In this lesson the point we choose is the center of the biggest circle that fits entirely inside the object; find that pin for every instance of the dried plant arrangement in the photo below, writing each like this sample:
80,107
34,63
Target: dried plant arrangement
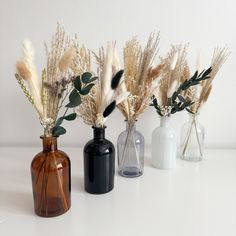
106,94
48,94
199,94
170,97
140,77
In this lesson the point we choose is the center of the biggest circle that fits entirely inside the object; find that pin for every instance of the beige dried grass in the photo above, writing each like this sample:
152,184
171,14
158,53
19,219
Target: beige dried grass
201,94
174,72
140,78
48,94
101,95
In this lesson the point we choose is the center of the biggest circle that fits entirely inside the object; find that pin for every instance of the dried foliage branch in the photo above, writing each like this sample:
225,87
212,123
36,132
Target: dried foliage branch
200,93
140,78
174,72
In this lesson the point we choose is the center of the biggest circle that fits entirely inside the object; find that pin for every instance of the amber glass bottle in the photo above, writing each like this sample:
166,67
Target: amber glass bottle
51,180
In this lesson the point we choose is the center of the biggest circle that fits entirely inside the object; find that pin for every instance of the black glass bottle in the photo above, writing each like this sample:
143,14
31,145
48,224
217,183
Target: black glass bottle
99,163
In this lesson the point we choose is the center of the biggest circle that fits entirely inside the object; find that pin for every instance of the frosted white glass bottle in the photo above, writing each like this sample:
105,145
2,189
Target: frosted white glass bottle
192,139
164,145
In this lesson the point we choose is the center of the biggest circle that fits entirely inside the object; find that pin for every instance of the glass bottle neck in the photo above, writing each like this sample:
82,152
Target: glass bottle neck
193,117
164,122
130,125
99,133
49,143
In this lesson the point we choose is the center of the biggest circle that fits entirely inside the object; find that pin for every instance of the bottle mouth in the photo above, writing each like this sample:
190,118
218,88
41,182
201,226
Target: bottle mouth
130,120
95,127
50,137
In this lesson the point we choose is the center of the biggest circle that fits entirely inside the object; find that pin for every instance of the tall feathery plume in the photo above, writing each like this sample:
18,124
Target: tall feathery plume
140,77
174,72
27,70
201,93
82,60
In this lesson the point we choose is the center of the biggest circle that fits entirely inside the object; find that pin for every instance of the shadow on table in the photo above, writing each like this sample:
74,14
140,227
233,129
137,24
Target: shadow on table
148,162
77,183
16,202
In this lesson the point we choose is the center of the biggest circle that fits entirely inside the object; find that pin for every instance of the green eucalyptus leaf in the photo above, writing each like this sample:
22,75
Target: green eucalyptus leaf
207,72
59,121
58,130
77,83
173,111
70,117
85,90
155,104
204,78
181,98
201,73
194,83
195,75
93,79
75,99
86,76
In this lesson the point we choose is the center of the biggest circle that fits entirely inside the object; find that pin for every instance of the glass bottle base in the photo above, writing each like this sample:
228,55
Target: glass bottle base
191,159
130,172
98,192
55,209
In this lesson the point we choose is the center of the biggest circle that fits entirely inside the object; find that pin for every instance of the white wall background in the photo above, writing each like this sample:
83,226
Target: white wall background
204,24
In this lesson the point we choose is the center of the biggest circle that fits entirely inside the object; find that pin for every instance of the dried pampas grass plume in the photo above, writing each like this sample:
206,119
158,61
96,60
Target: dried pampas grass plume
27,71
202,92
107,92
140,77
28,59
174,72
155,72
205,98
23,70
66,60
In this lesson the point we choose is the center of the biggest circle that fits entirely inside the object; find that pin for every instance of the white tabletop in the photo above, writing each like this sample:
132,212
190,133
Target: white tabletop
196,199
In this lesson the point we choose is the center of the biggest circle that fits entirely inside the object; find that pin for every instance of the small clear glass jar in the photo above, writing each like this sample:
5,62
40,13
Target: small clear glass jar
130,148
192,139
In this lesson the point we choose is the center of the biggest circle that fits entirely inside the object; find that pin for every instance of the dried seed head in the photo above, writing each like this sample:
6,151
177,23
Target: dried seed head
66,60
207,94
23,70
174,61
156,71
172,88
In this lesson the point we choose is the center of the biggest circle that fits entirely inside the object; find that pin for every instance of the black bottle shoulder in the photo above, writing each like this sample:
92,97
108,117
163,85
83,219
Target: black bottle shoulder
99,147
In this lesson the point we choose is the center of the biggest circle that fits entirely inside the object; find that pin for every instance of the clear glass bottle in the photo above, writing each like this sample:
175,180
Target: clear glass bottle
164,145
130,149
51,180
192,139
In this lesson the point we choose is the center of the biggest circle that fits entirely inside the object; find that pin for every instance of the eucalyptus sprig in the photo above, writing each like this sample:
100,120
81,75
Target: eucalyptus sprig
177,102
81,87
